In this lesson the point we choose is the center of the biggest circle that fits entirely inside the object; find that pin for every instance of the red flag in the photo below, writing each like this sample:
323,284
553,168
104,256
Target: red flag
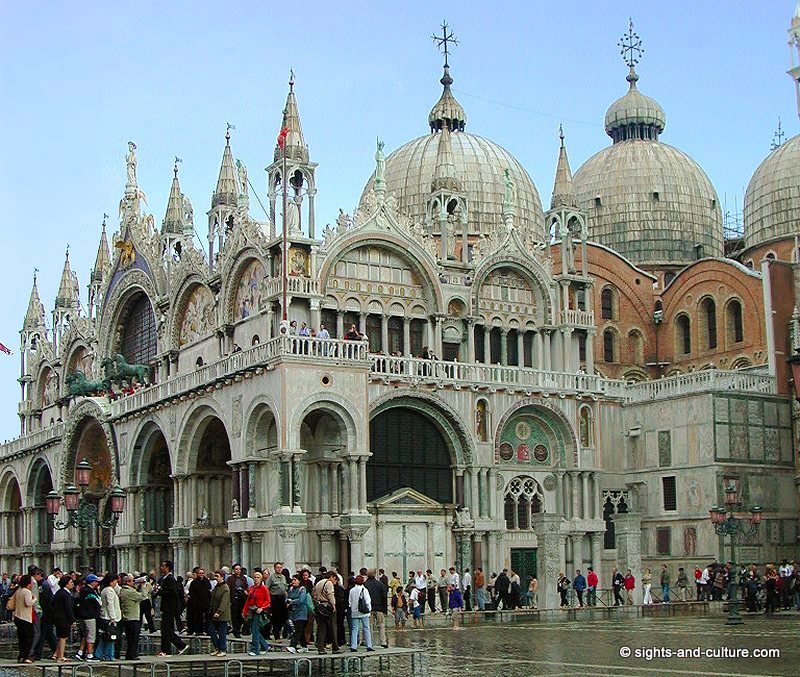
282,137
4,349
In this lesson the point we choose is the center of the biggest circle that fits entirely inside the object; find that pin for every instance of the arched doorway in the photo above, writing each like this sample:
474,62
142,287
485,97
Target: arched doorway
153,493
408,450
91,443
412,486
211,492
40,483
11,528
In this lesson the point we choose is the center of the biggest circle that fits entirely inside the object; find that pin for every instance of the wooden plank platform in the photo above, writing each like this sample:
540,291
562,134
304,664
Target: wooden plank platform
232,665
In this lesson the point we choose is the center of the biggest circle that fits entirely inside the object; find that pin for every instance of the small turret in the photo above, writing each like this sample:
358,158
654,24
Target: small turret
177,227
102,269
299,170
67,302
563,189
224,202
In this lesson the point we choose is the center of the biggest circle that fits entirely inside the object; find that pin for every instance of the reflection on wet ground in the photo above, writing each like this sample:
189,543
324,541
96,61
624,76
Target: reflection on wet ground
597,648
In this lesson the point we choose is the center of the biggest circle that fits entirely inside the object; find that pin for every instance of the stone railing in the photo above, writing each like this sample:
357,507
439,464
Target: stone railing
301,347
294,285
31,440
459,373
580,318
698,382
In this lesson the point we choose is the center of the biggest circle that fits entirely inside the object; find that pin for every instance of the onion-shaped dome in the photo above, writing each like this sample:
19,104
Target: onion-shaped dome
635,115
478,165
645,199
772,199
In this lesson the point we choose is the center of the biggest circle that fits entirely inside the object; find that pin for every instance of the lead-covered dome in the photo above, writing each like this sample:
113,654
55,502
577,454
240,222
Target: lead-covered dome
477,164
772,199
645,199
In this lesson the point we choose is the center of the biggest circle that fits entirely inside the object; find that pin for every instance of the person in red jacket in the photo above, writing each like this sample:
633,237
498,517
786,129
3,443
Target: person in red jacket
256,608
591,587
630,584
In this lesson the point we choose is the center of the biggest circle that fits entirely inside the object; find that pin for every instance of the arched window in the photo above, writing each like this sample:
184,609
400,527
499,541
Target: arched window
683,335
523,499
607,304
668,277
636,347
139,336
734,327
608,346
708,312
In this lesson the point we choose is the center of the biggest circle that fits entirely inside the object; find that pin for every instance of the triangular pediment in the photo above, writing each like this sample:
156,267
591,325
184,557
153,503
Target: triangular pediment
407,498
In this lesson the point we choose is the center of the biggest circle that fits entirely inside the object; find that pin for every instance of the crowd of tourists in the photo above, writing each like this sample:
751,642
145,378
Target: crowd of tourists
768,589
325,610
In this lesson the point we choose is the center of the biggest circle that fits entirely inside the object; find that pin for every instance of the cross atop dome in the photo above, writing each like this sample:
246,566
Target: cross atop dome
446,39
447,111
631,46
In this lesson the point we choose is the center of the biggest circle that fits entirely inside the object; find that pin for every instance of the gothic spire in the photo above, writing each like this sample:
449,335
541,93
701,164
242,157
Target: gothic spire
68,289
34,318
174,218
295,144
444,177
102,264
227,192
563,188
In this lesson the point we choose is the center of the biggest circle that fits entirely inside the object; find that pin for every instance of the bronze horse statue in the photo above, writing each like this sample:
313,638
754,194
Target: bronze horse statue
117,370
78,384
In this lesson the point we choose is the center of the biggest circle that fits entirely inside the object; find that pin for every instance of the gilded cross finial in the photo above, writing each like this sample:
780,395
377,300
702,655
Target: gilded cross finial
777,137
228,128
105,216
631,46
561,134
177,160
447,38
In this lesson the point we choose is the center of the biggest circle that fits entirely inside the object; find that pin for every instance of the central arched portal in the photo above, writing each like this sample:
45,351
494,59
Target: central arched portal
412,485
91,443
408,450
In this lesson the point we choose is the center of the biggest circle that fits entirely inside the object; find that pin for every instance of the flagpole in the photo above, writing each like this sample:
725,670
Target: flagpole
284,262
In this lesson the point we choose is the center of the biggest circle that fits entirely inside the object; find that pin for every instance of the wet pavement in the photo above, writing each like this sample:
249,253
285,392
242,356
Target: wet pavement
562,649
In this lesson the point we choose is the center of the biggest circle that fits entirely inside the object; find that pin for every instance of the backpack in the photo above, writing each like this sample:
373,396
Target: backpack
11,604
363,607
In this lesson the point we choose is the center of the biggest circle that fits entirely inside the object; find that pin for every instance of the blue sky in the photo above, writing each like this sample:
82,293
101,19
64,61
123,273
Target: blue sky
78,80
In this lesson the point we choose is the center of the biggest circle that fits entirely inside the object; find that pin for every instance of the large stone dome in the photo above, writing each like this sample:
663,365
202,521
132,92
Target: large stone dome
645,199
772,200
475,168
479,167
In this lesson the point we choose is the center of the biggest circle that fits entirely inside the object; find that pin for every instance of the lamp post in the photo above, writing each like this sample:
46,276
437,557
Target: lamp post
82,514
727,523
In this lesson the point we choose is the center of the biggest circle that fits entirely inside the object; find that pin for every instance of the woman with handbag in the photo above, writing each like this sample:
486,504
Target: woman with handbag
21,604
110,617
256,607
298,613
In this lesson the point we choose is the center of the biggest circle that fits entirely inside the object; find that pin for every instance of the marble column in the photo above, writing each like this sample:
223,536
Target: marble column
504,346
340,324
362,323
487,344
246,541
573,485
407,336
521,348
385,334
585,478
628,534
474,491
315,312
577,551
590,352
492,478
353,467
547,364
597,553
537,354
333,474
459,487
471,340
326,547
379,544
362,484
429,544
437,333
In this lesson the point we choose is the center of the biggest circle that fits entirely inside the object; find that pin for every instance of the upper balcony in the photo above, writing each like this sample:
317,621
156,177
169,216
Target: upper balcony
709,380
577,318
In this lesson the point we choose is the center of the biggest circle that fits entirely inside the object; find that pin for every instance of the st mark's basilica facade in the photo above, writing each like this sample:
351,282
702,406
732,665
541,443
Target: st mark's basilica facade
542,389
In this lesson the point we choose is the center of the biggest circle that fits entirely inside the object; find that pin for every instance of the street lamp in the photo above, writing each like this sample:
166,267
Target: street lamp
727,523
82,514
